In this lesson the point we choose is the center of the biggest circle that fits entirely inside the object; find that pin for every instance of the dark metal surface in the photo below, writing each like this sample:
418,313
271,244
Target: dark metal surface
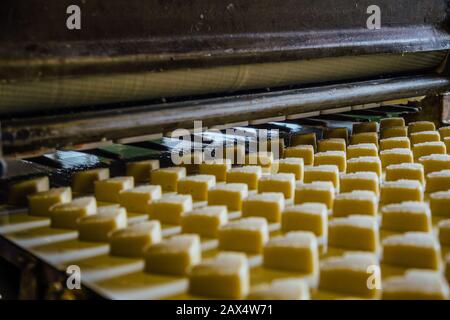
37,278
160,55
431,110
58,131
31,20
39,58
154,35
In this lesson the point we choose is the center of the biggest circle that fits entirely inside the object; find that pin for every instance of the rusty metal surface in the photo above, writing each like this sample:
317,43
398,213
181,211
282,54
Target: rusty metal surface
58,131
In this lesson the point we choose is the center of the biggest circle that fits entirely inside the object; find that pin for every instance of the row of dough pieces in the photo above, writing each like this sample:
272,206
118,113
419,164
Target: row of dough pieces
299,217
227,276
362,157
404,182
388,128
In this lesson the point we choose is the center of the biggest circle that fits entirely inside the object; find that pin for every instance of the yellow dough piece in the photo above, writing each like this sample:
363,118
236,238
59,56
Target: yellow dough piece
325,173
341,133
247,235
291,165
362,127
141,170
364,138
435,162
406,216
416,285
66,215
362,150
359,181
425,136
98,227
444,132
108,190
308,216
408,171
444,233
348,274
354,232
267,205
306,152
412,250
296,252
396,156
174,256
304,139
336,158
134,240
249,175
280,182
168,178
170,208
262,159
137,199
319,191
420,126
392,122
84,181
428,148
336,144
41,202
197,186
440,203
205,221
356,202
18,192
393,132
281,289
438,181
364,164
217,168
227,276
230,195
395,143
401,191
447,144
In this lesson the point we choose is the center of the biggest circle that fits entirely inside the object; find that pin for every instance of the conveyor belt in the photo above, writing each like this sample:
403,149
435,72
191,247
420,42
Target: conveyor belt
124,278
